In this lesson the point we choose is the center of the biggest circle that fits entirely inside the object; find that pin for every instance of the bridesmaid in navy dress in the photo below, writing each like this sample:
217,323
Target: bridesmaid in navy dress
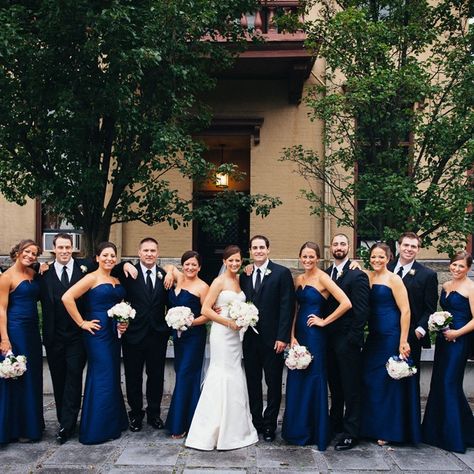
21,400
306,418
103,410
390,408
448,421
189,348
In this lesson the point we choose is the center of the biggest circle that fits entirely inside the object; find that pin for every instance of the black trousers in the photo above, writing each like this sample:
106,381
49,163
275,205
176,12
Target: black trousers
149,353
345,384
66,360
261,359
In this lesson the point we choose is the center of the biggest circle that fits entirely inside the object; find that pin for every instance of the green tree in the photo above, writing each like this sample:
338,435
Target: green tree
100,100
397,102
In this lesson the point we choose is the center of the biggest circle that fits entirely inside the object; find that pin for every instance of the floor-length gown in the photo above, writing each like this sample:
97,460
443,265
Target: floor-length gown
103,410
306,418
222,418
448,421
21,399
188,359
390,408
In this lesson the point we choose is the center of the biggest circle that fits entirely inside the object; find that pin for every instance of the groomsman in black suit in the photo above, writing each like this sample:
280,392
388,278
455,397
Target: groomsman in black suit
145,342
62,337
270,287
422,286
345,340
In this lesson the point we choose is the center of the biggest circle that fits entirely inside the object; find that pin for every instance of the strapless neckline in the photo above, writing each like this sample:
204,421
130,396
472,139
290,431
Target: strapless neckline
19,284
302,288
447,295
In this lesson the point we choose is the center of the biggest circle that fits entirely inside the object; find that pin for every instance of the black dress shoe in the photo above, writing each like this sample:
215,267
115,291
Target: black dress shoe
345,443
62,436
156,422
268,434
135,424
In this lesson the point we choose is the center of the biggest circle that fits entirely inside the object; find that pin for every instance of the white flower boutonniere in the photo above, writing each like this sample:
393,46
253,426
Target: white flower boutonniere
84,269
267,272
412,272
339,274
159,275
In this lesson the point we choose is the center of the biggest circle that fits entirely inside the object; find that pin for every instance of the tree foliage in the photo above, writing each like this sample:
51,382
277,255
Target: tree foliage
99,103
397,102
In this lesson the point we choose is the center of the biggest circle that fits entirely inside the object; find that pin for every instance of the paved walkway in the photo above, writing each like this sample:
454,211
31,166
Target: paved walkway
152,451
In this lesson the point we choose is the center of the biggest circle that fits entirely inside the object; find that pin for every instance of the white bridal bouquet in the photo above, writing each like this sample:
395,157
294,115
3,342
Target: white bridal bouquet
440,320
244,314
298,357
13,366
179,318
121,312
399,368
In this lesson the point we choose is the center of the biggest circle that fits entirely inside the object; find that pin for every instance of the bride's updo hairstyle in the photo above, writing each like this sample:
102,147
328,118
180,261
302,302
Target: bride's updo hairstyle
462,255
191,254
231,250
384,247
105,245
311,245
22,245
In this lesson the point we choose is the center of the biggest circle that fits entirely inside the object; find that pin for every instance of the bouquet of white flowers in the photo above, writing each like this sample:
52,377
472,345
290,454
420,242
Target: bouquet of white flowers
399,368
179,318
440,320
298,357
12,366
244,314
121,312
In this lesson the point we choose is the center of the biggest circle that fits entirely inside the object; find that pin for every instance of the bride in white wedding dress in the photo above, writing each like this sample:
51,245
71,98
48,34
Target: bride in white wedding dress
222,418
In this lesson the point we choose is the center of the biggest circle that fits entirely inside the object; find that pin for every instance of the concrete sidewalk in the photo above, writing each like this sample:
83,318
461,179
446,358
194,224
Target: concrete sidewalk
153,451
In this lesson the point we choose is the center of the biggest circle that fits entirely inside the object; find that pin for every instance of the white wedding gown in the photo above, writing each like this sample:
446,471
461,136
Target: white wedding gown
222,418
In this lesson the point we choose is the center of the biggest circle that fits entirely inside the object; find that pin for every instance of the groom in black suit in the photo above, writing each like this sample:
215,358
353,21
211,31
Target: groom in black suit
422,286
145,342
345,340
62,337
271,289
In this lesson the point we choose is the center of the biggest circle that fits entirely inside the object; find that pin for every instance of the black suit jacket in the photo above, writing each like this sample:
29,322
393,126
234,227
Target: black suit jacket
56,321
422,287
275,301
150,309
355,284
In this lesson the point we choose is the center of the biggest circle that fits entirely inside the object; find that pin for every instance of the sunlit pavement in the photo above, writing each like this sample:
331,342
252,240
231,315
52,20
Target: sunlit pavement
153,451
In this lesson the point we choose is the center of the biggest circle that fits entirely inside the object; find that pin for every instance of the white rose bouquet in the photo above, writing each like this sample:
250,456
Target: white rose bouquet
12,366
298,357
440,320
179,318
399,368
244,314
122,313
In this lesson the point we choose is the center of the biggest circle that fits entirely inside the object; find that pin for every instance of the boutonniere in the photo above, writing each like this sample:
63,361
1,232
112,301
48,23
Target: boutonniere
83,268
267,272
159,275
412,272
339,274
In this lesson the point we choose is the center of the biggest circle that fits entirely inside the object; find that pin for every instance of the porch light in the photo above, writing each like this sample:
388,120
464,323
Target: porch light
222,179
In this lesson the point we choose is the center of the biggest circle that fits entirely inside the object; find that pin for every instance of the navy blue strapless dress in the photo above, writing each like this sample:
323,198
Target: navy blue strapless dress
21,400
306,418
390,408
188,359
103,410
448,421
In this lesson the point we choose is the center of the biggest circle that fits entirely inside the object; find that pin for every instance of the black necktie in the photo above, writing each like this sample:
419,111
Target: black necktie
64,277
258,280
149,283
334,274
400,272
